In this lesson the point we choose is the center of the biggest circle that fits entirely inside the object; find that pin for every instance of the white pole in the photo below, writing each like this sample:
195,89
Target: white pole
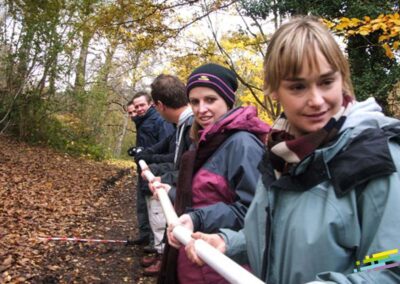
166,204
225,266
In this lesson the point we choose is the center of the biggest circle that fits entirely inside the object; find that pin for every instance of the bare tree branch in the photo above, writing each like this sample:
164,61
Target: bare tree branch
267,104
255,21
231,64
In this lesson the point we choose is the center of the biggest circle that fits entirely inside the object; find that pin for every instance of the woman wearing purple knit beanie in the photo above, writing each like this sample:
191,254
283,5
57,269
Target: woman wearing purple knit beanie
217,177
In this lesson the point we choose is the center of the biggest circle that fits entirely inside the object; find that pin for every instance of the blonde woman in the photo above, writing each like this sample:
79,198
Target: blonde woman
329,192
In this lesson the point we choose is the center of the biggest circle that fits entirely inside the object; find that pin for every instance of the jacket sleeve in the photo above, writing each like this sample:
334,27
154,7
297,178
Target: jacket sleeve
160,158
170,177
235,242
161,152
241,173
160,147
378,208
164,129
160,169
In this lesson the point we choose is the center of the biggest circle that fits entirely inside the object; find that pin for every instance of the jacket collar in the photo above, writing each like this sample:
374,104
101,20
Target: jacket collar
238,119
138,120
352,167
185,115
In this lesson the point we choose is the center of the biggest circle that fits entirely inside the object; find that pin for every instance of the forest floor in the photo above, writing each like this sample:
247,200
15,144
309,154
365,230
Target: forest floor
45,193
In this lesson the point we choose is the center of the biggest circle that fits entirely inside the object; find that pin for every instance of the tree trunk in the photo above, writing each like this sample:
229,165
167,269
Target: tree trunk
105,70
118,144
80,79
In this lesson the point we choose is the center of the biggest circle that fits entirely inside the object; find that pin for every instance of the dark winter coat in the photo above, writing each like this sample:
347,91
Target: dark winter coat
151,128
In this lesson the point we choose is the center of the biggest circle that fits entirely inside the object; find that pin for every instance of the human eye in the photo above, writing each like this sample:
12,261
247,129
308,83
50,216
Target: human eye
193,102
296,87
327,82
210,100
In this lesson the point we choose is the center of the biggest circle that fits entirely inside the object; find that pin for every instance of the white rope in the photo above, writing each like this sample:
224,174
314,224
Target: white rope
226,267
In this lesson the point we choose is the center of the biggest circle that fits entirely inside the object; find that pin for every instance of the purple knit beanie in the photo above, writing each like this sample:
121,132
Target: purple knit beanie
216,77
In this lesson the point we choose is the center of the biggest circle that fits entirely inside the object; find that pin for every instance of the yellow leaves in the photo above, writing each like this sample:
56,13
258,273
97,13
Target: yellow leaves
388,50
328,23
396,45
383,38
363,31
351,32
378,26
354,22
240,41
387,26
340,27
396,22
395,31
121,164
348,23
363,27
247,99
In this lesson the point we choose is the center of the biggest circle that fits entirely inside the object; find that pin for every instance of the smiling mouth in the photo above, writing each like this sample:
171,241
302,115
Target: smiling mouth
204,118
316,115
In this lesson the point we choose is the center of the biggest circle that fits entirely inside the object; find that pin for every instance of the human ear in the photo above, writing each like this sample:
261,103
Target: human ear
274,96
159,104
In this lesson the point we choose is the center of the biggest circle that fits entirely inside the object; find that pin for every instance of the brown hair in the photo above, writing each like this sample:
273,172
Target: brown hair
297,41
169,90
140,94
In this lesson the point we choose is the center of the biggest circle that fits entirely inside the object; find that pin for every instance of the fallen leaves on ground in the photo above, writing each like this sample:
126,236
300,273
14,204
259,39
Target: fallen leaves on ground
44,193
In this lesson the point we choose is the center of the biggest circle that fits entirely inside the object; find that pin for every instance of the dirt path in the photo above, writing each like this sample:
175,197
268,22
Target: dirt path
102,263
44,193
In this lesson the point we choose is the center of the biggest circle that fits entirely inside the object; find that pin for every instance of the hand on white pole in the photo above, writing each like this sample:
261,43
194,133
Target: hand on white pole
162,195
153,181
156,184
144,174
213,239
181,230
184,221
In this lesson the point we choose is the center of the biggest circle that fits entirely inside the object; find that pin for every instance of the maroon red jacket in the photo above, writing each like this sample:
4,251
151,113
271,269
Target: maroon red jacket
224,186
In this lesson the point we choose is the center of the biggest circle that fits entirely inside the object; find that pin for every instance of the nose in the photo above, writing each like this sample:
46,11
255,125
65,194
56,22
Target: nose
202,107
315,98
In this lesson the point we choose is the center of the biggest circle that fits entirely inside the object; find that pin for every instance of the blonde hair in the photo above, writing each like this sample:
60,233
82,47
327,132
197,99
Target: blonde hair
297,41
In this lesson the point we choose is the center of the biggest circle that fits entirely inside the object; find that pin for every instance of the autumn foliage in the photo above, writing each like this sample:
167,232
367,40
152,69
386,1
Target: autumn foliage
45,193
388,27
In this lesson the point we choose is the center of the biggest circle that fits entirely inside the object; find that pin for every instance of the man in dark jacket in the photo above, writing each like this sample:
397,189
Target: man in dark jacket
170,100
150,129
